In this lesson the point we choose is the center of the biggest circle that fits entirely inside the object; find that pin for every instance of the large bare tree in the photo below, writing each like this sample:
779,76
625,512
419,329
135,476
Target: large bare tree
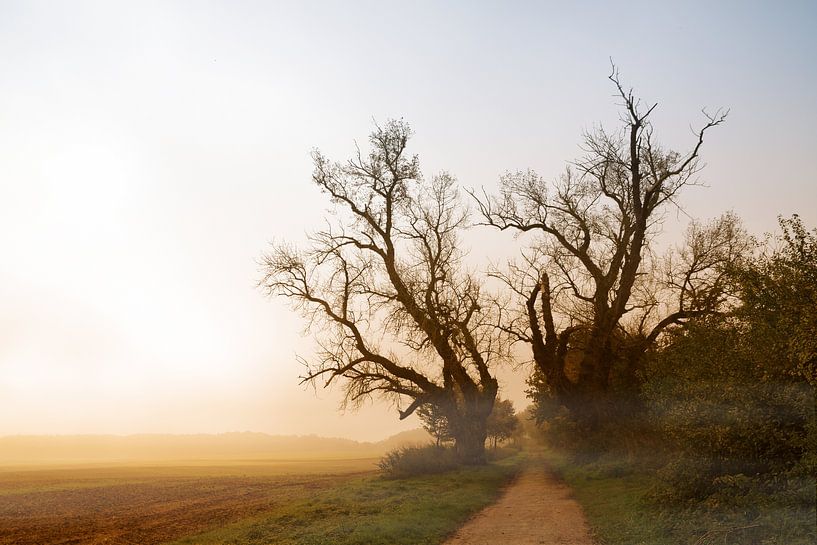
385,292
583,270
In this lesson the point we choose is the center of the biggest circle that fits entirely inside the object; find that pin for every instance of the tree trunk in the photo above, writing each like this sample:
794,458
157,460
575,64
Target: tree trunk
470,443
469,428
594,370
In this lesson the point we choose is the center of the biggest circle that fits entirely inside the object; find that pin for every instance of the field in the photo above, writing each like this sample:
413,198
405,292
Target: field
339,501
153,504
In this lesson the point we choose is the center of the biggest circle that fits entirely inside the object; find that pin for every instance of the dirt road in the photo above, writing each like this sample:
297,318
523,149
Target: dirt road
537,509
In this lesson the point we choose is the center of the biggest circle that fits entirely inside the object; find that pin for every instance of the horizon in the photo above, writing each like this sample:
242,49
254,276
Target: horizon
213,434
65,451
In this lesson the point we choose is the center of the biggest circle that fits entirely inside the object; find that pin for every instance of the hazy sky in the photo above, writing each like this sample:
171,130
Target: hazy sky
150,150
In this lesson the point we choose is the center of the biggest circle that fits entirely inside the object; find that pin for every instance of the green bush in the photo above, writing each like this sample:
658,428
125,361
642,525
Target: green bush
410,461
735,434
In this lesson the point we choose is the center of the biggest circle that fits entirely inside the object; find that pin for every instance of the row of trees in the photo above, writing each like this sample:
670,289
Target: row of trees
396,313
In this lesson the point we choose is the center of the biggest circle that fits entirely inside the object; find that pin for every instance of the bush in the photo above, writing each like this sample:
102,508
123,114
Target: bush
737,434
409,461
500,453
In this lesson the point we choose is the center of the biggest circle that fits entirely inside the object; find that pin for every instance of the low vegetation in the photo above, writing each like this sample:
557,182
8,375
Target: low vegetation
411,461
373,510
617,497
423,460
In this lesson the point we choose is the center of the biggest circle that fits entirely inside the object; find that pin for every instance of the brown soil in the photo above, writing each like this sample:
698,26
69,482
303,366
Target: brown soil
145,509
536,509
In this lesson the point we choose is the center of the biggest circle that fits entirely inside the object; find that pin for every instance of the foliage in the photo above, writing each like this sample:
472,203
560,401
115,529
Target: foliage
779,292
500,453
435,423
734,395
726,424
625,429
502,422
723,433
614,496
411,461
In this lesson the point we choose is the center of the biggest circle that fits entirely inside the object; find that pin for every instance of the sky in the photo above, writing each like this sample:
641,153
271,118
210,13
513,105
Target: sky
150,151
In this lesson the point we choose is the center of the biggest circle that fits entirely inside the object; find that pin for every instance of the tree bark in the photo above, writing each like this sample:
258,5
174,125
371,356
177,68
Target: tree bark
470,432
470,444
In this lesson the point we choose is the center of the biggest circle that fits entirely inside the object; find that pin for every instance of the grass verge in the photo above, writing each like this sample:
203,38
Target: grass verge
614,496
374,511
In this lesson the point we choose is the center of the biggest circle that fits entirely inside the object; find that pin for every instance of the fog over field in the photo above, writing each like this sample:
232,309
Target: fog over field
16,451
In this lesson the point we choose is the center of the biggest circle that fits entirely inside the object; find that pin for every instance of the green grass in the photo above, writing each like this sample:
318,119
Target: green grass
373,511
613,502
614,496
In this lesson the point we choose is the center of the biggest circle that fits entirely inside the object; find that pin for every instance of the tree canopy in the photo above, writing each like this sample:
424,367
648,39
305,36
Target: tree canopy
503,422
383,287
588,237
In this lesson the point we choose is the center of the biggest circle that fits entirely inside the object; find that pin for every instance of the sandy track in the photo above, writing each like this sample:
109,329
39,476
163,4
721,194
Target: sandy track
536,509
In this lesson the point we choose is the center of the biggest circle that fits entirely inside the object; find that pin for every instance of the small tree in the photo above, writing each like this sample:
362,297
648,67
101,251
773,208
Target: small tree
395,314
503,422
435,423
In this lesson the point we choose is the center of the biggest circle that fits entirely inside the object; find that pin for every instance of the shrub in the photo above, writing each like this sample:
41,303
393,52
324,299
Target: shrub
409,461
500,453
736,434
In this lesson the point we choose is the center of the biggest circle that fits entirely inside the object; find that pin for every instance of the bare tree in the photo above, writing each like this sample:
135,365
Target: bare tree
394,312
592,228
694,279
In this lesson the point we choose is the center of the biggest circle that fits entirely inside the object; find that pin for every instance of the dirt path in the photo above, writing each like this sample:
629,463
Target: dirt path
536,509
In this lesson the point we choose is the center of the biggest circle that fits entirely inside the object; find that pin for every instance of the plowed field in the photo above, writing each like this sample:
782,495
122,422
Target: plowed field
145,506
